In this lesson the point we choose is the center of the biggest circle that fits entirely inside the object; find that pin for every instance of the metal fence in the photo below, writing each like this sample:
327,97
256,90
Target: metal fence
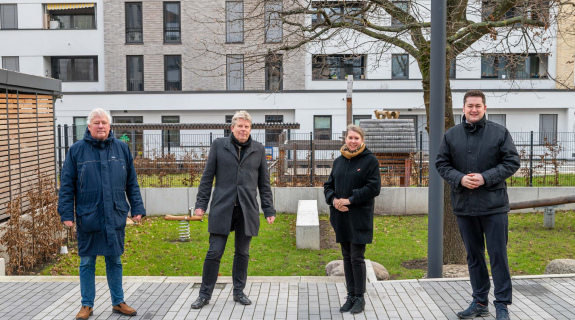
177,158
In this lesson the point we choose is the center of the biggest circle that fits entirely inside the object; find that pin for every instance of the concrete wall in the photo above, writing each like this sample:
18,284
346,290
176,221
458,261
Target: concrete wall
391,201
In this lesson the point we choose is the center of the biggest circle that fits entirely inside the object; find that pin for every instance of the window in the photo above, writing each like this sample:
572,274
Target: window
273,21
8,16
337,11
536,10
79,128
400,66
488,6
404,6
338,67
170,137
173,73
227,132
452,69
322,127
72,16
234,22
75,69
513,66
11,63
135,73
274,72
235,71
272,135
358,118
172,23
548,128
498,118
134,31
457,118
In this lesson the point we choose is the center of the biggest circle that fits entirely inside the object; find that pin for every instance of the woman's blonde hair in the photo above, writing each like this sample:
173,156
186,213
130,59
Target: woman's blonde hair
241,115
353,127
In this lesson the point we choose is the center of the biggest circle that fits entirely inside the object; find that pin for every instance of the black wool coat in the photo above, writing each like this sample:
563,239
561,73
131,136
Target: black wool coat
486,148
358,177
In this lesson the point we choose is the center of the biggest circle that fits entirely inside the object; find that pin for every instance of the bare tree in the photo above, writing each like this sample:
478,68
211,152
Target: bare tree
509,36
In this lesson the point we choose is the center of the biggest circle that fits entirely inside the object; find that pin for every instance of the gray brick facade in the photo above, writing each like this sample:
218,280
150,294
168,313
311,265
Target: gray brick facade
203,48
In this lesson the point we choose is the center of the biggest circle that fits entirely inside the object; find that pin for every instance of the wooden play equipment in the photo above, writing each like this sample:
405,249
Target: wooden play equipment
184,225
386,114
548,205
392,141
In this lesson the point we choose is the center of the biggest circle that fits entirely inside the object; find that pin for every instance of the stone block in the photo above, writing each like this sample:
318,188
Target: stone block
391,201
162,201
416,200
561,266
286,199
307,225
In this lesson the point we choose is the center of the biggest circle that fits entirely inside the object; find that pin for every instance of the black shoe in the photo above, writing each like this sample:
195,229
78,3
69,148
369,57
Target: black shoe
475,309
502,313
348,304
200,302
242,299
358,305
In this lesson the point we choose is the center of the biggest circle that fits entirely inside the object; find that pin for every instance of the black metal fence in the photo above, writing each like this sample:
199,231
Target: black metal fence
173,158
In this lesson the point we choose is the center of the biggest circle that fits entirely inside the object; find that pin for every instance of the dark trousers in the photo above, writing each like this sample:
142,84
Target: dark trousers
216,251
476,231
354,268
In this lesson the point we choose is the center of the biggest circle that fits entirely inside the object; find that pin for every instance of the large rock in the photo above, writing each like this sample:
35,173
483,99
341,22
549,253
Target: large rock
334,269
560,266
380,271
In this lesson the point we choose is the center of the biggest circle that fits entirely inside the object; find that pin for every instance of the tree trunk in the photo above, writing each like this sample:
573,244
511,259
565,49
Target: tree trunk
453,248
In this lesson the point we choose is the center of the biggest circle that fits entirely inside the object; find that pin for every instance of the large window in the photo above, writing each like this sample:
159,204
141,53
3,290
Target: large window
135,73
8,16
72,15
235,71
171,137
274,72
173,73
337,67
273,21
234,21
75,69
400,66
404,6
322,127
513,66
498,118
79,128
228,119
337,11
172,23
548,128
272,135
134,31
11,63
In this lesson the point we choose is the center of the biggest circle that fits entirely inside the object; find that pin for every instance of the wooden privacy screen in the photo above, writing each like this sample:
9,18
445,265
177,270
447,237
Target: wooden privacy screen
26,143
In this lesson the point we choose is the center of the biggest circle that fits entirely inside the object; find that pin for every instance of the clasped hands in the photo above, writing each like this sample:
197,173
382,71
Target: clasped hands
341,204
472,180
200,213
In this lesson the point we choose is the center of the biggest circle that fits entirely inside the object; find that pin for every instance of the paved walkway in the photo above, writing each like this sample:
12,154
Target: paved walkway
306,298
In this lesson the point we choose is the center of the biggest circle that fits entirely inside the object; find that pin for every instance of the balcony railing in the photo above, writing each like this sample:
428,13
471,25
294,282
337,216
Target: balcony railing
134,35
135,85
172,35
173,85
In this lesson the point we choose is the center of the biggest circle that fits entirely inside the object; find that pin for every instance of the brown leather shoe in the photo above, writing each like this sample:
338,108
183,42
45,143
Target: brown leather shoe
85,313
123,308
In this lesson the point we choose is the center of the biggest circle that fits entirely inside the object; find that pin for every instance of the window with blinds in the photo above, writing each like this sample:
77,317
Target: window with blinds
8,16
548,128
11,63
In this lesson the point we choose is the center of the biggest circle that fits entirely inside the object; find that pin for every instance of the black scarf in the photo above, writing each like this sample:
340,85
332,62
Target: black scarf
472,127
241,147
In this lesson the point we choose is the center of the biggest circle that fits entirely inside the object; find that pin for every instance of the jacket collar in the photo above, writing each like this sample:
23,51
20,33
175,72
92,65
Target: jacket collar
472,127
98,143
228,144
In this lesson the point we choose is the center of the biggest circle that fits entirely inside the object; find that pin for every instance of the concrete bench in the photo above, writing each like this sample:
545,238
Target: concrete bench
307,225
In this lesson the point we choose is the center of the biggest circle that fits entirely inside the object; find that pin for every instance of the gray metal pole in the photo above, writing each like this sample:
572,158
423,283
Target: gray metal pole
436,131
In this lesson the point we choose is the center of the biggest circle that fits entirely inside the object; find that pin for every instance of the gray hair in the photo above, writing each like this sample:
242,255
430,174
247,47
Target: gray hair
99,112
241,115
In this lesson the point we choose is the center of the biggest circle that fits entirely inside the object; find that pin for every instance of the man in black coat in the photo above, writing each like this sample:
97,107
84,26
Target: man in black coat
475,158
239,166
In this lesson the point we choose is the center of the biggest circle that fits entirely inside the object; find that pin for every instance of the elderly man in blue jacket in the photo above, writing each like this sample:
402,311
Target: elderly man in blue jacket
475,158
97,177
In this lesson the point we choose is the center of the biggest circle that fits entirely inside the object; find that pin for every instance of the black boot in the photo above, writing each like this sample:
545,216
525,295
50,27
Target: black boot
348,303
358,305
199,303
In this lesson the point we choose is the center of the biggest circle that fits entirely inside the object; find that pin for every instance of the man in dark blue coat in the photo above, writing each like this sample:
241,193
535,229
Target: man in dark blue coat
97,177
239,166
475,158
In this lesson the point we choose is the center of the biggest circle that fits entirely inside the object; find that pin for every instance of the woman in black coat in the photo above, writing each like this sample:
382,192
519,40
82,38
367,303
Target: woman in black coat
353,184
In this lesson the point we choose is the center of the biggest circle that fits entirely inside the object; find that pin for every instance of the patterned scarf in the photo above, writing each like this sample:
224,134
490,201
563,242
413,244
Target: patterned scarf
350,154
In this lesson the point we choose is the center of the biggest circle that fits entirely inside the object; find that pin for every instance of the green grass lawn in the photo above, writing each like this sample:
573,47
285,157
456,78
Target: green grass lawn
153,248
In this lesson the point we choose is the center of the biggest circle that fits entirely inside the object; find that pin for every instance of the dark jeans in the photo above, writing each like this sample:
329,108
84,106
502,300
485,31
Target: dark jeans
216,251
354,268
495,228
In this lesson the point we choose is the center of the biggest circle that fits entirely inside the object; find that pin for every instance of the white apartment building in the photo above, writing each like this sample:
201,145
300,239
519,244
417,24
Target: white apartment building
148,62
